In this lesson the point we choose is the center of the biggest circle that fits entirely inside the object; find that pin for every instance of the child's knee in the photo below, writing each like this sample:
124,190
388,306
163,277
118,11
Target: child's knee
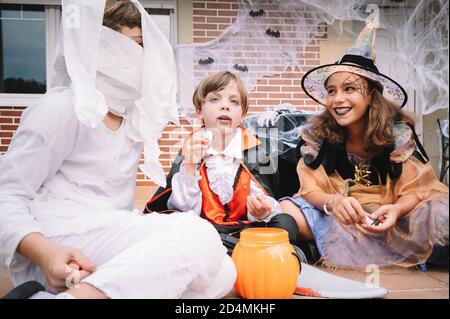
225,278
206,241
288,223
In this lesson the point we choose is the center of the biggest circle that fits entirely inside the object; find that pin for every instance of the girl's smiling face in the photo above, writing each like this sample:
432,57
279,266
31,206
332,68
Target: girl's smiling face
348,98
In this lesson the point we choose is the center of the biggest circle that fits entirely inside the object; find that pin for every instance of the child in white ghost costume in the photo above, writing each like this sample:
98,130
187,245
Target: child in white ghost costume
67,181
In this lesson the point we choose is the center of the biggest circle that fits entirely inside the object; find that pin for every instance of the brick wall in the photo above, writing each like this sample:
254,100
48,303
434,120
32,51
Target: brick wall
210,18
9,121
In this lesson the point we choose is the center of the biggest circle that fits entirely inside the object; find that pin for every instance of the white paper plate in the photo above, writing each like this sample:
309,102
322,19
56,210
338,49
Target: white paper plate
318,283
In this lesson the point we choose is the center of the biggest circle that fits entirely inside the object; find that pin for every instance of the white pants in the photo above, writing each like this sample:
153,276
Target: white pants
153,256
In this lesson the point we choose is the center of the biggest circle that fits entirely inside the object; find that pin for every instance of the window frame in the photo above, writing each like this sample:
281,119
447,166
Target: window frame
52,25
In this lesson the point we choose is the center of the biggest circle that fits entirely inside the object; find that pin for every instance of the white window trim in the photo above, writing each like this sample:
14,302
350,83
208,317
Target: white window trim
52,22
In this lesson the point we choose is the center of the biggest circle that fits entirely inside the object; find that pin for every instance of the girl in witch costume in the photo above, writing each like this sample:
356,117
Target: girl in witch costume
368,194
218,176
68,179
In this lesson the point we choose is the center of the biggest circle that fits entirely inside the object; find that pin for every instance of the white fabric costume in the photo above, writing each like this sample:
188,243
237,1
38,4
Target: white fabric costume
70,178
221,168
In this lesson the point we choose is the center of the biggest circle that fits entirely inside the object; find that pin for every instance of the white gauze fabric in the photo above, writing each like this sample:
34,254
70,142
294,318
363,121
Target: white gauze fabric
110,72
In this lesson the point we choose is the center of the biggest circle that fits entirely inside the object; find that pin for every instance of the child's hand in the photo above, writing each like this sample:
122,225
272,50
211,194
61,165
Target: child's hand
60,261
347,210
259,206
387,218
195,148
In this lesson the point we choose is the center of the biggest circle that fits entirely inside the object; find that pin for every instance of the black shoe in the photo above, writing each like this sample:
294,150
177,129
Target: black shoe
310,249
229,242
300,254
25,290
439,256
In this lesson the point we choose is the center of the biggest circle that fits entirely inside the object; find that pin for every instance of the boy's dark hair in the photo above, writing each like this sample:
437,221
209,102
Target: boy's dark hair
216,82
121,13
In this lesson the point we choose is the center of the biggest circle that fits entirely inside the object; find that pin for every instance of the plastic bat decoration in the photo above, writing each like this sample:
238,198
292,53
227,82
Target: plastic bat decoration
273,33
242,68
258,13
207,61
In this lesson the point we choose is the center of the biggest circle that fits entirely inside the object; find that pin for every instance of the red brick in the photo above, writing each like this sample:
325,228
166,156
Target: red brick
6,127
198,5
230,13
310,108
6,120
278,68
213,33
262,81
198,33
199,19
268,102
165,162
205,26
3,149
280,95
167,142
142,183
302,96
307,55
254,95
198,12
291,89
266,88
10,113
184,122
294,102
223,26
291,75
280,82
6,134
5,141
312,49
218,5
311,102
226,20
201,40
165,156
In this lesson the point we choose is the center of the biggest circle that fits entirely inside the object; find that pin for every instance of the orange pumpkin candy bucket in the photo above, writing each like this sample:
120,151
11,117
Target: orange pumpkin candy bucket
266,263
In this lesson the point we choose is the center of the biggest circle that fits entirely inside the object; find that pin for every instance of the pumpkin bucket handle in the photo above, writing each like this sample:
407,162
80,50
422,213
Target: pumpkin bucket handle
296,254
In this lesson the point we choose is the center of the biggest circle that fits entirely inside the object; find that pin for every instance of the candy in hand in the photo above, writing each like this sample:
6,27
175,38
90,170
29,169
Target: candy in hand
208,135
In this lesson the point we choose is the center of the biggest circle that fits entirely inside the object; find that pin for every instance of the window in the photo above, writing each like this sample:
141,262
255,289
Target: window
29,32
22,58
163,19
